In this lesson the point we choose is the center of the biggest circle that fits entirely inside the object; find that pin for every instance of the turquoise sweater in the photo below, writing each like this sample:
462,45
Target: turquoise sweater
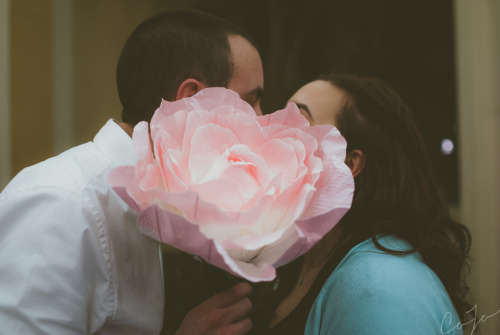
372,292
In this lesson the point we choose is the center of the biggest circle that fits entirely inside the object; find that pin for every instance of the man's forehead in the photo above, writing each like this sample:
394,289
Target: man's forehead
248,73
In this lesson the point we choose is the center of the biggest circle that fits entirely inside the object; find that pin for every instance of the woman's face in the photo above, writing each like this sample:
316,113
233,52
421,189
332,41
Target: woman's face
319,101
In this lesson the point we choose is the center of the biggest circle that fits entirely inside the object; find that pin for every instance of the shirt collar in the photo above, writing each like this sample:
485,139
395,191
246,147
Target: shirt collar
116,144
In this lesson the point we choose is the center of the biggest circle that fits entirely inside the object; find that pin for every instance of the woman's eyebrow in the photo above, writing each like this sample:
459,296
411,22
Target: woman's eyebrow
304,107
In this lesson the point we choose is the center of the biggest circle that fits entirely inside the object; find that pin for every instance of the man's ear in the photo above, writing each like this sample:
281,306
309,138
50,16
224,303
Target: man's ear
355,161
188,88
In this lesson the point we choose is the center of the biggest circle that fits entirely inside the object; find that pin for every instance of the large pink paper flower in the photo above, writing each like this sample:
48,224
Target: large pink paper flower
246,193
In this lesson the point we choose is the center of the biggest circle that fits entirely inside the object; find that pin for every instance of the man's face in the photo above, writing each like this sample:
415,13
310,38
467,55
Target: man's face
248,75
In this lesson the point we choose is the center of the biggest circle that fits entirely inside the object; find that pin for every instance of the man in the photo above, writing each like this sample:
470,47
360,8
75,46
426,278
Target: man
72,260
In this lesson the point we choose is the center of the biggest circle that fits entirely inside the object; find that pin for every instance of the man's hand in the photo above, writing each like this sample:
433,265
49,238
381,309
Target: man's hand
221,314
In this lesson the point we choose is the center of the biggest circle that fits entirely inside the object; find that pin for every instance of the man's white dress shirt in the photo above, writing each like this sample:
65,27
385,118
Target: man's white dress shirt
72,260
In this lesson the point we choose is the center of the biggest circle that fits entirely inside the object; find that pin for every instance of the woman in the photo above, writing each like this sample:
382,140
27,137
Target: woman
395,263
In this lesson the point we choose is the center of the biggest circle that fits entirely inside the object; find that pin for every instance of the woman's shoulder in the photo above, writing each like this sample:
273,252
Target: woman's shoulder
367,265
375,290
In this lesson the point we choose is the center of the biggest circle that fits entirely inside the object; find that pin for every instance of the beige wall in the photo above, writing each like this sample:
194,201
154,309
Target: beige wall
5,147
30,82
37,91
63,55
478,84
101,28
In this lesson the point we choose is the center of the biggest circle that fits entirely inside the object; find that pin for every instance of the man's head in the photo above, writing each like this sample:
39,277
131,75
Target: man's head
175,54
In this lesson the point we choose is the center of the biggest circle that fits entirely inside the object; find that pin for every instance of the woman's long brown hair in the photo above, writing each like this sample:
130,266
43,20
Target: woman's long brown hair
397,192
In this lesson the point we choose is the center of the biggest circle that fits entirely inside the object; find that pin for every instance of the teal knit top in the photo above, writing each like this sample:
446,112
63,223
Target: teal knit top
373,292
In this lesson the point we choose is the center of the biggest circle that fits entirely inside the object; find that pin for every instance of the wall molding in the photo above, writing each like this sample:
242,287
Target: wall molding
478,80
5,141
63,75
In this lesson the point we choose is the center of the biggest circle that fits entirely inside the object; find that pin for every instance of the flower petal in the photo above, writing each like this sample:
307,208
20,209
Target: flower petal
179,233
245,127
173,175
169,131
142,145
335,186
243,192
204,153
289,117
122,179
281,159
224,194
310,232
211,98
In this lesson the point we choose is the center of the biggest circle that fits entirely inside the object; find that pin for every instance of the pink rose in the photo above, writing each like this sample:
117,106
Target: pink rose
244,192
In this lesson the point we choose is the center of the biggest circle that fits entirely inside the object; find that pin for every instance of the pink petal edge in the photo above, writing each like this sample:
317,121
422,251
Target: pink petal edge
180,233
310,232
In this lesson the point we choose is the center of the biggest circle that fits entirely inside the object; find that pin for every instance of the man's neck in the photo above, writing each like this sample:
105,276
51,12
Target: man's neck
127,128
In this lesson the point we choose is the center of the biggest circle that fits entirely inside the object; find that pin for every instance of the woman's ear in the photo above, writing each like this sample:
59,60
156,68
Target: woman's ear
188,88
355,161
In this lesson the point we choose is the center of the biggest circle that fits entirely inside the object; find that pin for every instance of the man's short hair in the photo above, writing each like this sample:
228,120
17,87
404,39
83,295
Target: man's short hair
167,49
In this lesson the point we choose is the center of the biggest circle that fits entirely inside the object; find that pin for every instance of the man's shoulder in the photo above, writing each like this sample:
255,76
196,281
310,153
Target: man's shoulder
70,171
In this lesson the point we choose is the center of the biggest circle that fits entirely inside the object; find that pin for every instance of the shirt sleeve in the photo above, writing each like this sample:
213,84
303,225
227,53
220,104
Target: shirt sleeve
382,294
53,273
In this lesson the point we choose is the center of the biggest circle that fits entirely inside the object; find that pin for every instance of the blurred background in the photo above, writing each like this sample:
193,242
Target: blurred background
57,82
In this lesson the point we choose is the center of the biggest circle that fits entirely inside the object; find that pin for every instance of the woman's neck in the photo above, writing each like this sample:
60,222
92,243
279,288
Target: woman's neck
314,261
